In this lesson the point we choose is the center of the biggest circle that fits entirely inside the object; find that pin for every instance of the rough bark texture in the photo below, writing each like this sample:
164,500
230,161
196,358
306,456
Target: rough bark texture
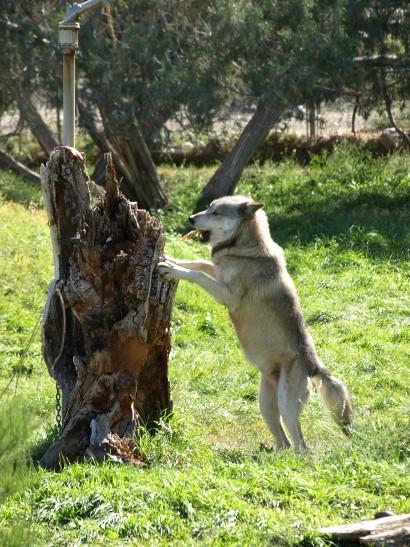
226,177
106,331
379,532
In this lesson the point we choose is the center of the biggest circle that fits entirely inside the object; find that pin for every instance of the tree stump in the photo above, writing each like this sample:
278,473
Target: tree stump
106,328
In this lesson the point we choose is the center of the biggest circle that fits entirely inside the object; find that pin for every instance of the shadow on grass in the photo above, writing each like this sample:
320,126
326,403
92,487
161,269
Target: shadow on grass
373,223
38,449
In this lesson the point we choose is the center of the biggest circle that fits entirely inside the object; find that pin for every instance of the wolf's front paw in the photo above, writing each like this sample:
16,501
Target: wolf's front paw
165,268
169,260
170,270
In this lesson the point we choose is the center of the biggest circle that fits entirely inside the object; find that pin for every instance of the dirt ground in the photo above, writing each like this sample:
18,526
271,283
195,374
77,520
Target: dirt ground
332,120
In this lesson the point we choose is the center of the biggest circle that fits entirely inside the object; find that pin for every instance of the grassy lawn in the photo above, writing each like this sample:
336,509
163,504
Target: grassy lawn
211,476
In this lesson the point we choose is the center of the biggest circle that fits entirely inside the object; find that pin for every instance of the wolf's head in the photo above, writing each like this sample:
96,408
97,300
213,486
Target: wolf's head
221,221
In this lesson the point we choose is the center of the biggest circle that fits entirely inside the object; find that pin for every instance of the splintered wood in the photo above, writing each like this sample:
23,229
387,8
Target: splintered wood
106,331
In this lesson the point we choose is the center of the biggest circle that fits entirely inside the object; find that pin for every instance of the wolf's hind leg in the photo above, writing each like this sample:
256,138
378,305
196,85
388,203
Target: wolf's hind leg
268,404
293,394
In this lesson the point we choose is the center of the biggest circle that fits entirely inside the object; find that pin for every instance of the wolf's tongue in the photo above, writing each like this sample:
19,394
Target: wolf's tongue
200,235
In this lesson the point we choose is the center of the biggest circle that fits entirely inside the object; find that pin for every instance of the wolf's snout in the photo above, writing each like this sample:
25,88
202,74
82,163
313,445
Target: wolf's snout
192,219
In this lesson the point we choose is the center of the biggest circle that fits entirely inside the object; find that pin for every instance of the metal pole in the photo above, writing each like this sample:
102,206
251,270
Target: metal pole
69,98
68,40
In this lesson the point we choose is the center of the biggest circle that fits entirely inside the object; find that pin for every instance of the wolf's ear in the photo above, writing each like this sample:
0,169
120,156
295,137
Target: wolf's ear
249,209
255,207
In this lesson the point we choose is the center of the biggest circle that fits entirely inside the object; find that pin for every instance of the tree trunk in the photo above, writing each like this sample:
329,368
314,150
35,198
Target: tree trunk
7,162
131,157
354,113
388,104
311,120
33,118
226,177
106,331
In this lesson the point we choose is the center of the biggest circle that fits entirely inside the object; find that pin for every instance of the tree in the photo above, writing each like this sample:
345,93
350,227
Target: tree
145,64
382,64
226,177
25,34
285,55
106,330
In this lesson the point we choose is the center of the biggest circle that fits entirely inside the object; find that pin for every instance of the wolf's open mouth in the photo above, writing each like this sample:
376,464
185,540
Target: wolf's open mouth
200,235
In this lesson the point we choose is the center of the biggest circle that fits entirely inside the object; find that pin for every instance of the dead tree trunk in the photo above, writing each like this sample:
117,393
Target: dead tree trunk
106,331
226,177
7,162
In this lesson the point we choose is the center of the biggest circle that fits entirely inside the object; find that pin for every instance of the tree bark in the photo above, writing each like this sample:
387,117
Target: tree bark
106,329
7,162
131,156
226,177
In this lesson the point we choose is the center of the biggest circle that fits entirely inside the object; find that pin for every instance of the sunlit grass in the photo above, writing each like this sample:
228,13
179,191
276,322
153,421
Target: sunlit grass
211,475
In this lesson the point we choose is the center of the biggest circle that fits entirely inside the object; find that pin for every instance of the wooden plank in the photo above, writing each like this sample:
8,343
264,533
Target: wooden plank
393,530
397,536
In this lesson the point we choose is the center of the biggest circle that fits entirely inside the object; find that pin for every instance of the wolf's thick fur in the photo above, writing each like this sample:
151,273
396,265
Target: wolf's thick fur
249,276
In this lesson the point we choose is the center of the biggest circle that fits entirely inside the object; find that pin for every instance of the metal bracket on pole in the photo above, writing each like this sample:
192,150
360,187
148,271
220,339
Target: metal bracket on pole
76,10
68,31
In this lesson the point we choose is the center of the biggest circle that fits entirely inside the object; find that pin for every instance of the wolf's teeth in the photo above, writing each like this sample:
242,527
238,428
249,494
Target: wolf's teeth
193,234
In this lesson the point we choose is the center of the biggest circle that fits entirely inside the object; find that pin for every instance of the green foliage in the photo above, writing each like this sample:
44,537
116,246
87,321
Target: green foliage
166,58
14,188
299,50
16,427
211,476
196,58
14,437
24,271
380,29
27,33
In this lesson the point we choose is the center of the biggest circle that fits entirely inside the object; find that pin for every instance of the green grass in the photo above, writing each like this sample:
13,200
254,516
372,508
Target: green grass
211,476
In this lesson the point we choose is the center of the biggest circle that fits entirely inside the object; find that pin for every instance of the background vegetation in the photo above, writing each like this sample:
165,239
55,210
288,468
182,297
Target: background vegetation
144,64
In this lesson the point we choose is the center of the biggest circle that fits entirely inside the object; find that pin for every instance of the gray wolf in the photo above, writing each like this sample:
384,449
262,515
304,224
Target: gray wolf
248,275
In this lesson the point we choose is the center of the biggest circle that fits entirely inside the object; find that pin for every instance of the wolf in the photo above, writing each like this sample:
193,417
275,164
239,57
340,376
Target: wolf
248,275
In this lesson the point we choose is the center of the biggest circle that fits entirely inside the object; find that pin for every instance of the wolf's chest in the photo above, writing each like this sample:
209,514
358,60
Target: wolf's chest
260,335
228,275
234,278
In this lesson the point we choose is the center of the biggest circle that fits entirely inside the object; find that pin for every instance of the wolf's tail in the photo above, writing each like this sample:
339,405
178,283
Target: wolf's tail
337,398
